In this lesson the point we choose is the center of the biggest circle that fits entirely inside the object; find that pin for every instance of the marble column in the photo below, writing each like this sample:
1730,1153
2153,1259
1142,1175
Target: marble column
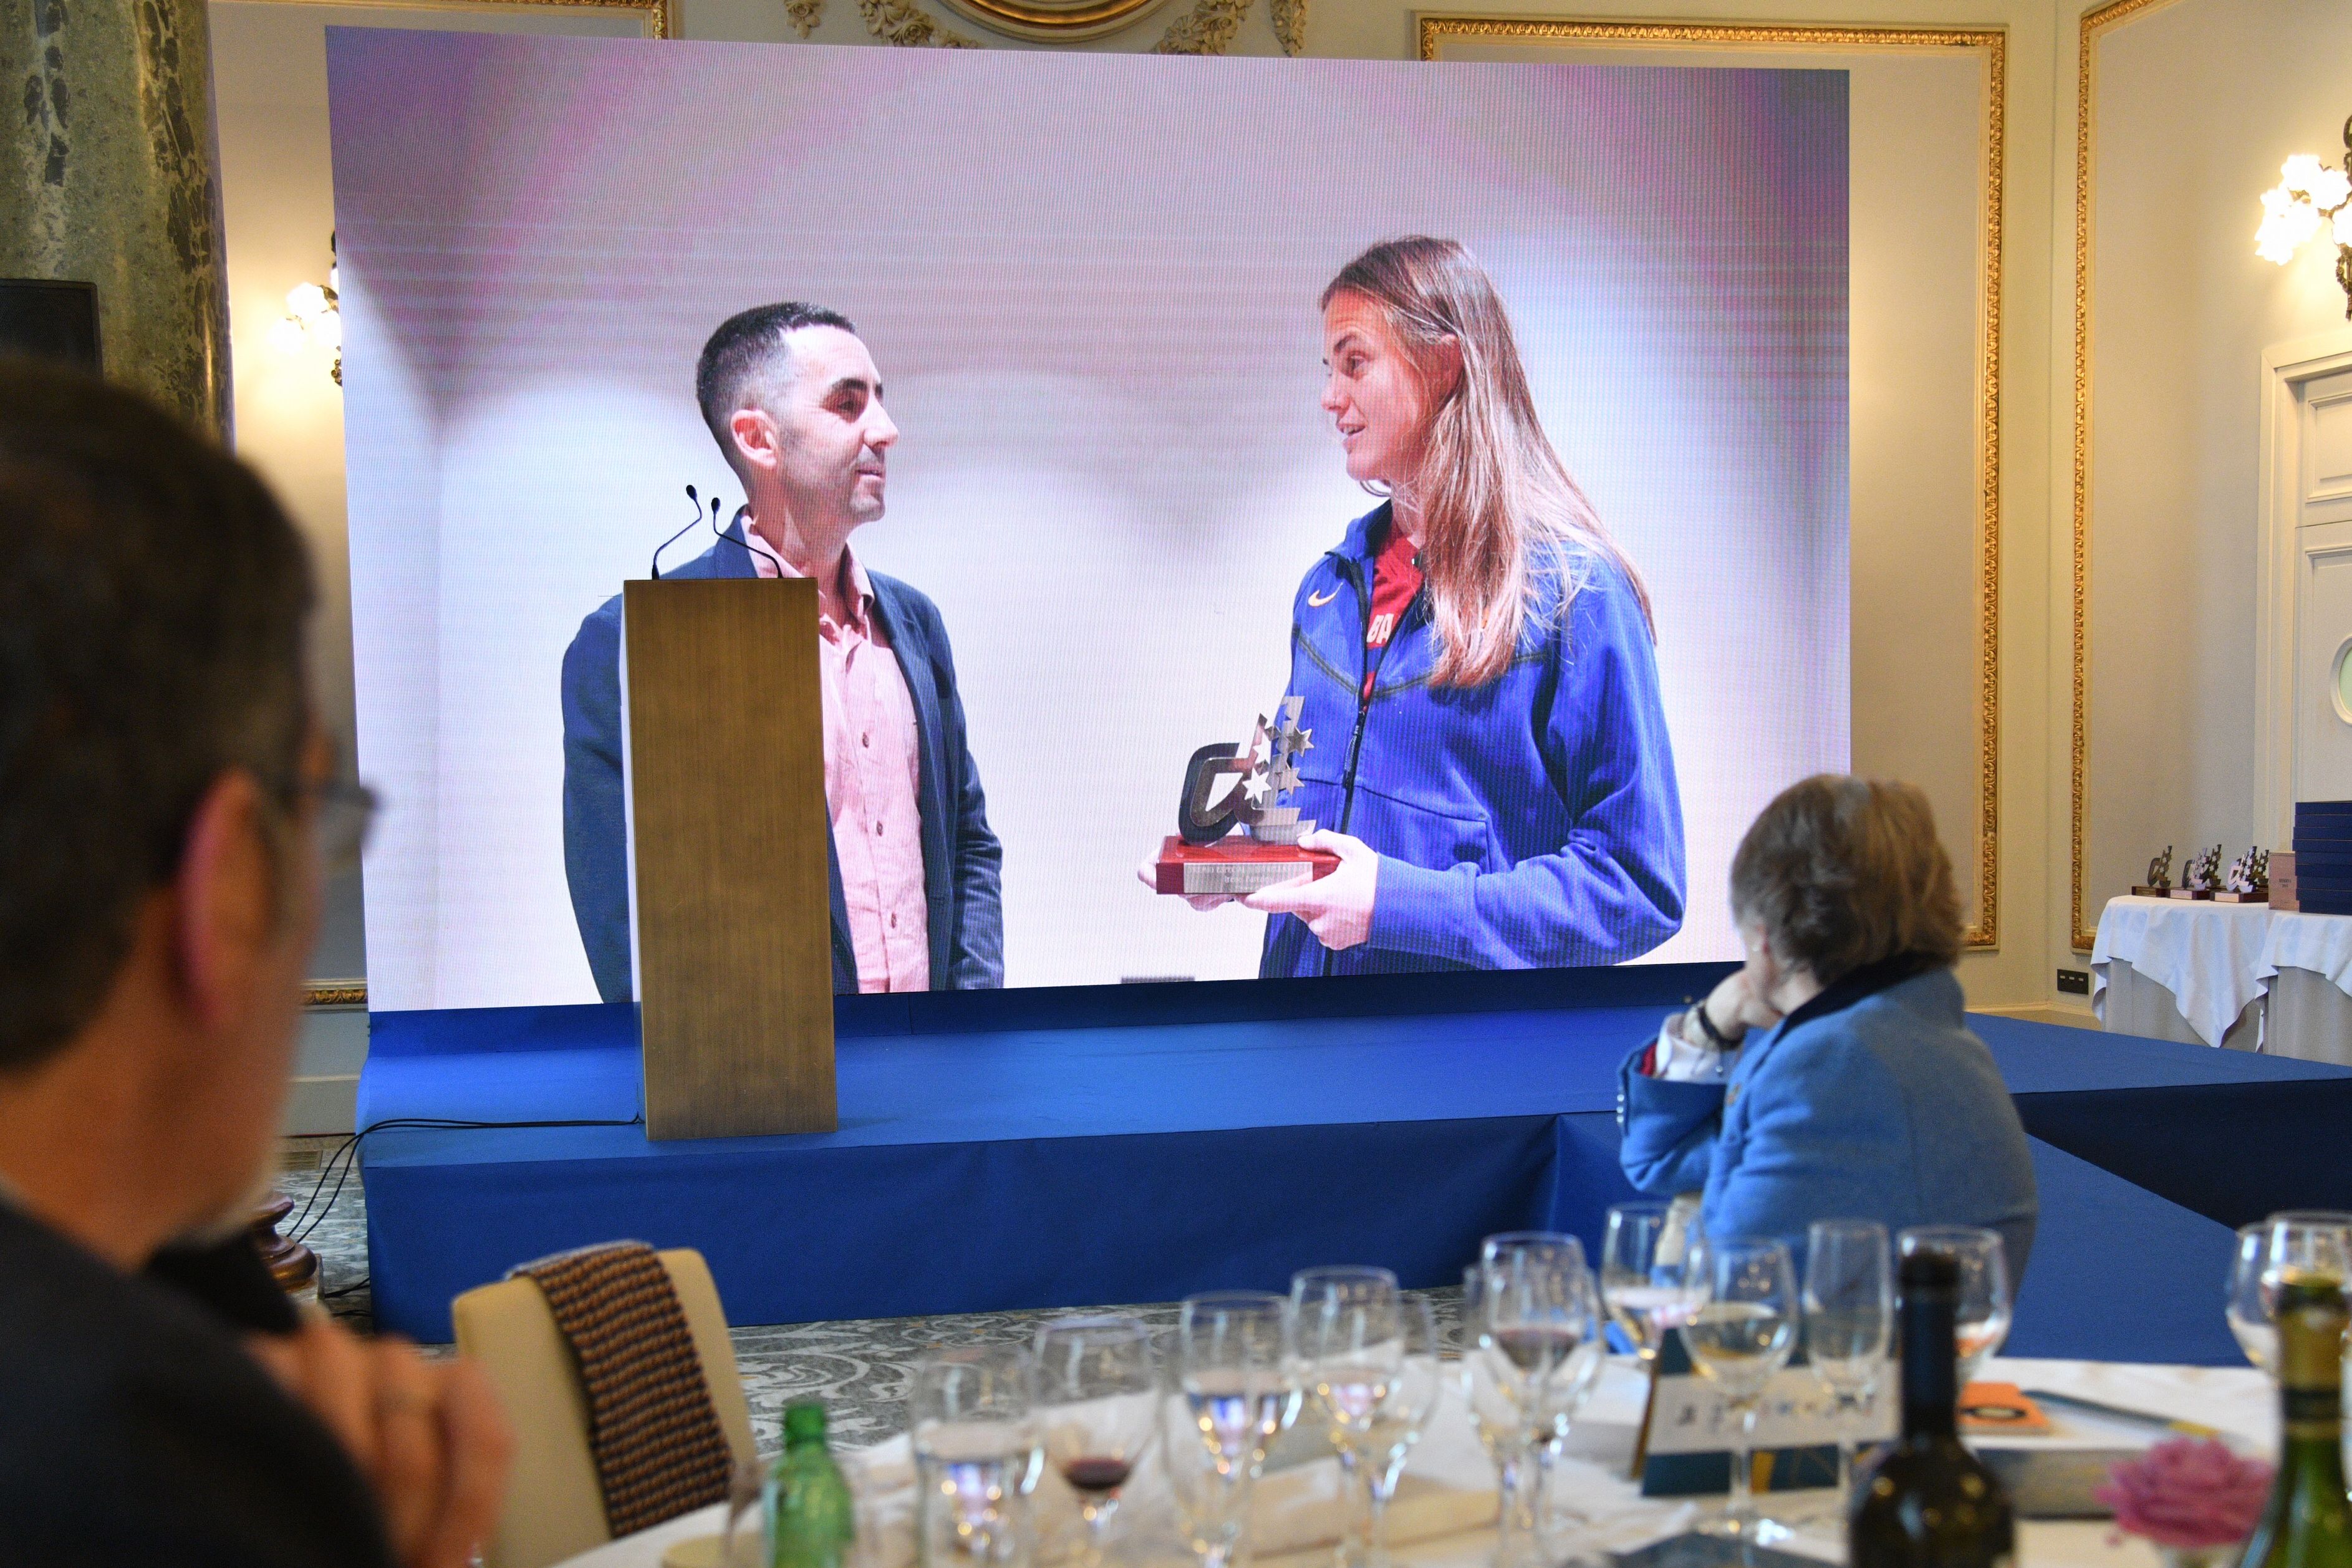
110,175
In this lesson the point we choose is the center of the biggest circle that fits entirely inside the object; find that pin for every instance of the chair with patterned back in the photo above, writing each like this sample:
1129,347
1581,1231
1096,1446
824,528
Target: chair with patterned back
557,1496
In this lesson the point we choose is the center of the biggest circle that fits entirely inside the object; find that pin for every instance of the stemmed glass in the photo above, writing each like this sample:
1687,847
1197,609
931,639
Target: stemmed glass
1540,1309
1742,1333
1237,1387
1096,1399
2308,1241
1210,1485
1848,1305
2249,1306
1232,1364
1984,1311
977,1457
2297,1241
1368,1354
1488,1381
1643,1289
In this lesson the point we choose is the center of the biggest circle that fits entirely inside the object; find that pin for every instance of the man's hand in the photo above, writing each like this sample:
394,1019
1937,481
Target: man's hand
1339,907
1148,874
430,1438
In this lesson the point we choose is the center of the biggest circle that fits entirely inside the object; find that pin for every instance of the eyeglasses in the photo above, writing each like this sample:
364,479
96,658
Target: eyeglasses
346,810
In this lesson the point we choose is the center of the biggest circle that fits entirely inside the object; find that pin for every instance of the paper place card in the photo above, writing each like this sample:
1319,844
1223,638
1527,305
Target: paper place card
1688,1434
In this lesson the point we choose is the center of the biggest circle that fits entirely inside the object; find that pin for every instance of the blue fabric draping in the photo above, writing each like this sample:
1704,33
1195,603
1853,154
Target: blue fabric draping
1064,1166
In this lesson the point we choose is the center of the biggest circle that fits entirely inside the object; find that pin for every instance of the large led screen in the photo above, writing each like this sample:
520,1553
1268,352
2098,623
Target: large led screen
1497,414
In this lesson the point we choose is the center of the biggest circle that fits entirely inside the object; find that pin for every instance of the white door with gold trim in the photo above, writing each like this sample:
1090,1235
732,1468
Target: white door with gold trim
2323,618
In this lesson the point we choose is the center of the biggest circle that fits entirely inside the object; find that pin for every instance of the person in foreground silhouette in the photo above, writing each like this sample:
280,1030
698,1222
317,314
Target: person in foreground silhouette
168,806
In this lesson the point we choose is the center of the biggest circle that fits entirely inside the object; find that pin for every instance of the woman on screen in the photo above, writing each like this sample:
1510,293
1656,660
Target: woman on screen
1490,760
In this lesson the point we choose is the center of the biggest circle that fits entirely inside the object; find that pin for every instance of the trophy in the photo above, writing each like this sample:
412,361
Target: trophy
2201,874
2160,877
1205,856
2249,880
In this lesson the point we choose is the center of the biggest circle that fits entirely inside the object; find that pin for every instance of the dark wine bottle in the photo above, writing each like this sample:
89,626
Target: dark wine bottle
1927,1502
2304,1524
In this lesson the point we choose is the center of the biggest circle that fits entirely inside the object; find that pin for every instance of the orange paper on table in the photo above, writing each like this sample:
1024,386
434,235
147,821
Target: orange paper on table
2002,1407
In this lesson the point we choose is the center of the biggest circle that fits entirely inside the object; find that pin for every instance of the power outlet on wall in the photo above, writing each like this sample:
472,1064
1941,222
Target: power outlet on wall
2074,982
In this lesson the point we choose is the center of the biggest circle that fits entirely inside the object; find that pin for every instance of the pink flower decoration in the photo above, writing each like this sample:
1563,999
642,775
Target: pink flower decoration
2187,1493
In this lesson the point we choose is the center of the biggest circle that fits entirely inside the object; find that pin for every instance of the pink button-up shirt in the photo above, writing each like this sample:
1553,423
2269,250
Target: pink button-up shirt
871,758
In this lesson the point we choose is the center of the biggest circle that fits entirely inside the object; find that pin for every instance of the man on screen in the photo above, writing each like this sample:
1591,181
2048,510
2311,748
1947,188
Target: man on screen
792,398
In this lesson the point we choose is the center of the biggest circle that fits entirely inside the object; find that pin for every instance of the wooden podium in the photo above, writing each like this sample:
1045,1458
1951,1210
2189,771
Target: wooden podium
730,906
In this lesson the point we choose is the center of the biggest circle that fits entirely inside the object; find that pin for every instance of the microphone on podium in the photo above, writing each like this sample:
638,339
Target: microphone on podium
697,501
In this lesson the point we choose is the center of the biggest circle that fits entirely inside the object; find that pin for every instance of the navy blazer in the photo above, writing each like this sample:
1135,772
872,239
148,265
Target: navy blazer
961,859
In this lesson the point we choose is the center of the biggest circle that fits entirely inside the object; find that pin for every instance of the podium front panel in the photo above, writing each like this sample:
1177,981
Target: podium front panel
729,888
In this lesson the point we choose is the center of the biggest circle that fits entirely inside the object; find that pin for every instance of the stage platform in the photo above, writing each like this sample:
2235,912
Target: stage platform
1030,1167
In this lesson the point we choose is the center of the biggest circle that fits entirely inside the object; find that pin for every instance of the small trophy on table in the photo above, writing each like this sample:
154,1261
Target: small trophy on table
2249,880
1203,857
2160,877
2202,875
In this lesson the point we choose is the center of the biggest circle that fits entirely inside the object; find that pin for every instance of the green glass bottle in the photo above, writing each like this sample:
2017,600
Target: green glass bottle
1927,1502
2305,1523
811,1519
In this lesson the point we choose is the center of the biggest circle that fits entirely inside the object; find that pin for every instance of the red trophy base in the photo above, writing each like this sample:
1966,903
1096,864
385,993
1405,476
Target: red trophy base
1234,866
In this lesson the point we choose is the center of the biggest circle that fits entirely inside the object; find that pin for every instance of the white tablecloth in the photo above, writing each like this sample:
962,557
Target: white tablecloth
2205,953
2319,943
2237,1400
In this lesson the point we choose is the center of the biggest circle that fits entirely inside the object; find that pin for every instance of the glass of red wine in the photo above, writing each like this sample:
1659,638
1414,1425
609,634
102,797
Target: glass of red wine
1539,1335
1097,1403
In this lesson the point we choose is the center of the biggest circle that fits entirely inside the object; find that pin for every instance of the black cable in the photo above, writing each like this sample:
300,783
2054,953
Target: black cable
351,1147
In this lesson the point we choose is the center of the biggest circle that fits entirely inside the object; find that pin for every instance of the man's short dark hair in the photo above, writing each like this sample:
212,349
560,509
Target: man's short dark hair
152,606
746,344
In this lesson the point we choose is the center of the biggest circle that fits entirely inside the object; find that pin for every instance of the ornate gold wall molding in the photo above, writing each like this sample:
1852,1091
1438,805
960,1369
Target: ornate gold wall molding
1208,28
658,17
1437,30
2095,23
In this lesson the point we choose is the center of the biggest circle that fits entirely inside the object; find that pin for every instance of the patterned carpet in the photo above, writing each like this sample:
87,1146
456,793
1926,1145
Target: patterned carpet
861,1369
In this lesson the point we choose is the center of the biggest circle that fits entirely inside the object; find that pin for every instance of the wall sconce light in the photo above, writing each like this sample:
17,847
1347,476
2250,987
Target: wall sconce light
313,315
2309,197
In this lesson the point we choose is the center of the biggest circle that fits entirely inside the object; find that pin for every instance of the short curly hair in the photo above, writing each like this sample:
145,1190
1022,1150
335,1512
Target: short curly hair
152,604
1843,871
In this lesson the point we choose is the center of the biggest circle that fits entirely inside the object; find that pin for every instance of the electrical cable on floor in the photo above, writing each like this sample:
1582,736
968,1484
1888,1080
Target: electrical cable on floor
346,1157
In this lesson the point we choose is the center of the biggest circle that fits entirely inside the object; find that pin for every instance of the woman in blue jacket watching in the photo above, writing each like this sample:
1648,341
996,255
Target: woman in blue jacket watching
1833,1077
1490,760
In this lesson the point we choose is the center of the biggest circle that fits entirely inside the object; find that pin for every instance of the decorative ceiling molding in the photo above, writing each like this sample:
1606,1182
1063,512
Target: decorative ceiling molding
1208,28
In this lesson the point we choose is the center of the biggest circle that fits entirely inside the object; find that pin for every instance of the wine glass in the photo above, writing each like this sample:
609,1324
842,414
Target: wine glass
1640,1279
1234,1366
1487,1381
1209,1482
977,1458
1541,1311
1742,1333
1848,1304
2249,1306
2307,1241
1096,1401
1984,1307
1356,1343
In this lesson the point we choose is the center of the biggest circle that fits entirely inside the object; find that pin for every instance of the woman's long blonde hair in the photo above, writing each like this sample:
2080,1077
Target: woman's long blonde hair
1506,532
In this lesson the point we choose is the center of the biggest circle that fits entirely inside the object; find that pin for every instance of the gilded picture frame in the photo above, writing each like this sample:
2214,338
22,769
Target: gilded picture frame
1436,30
658,17
2095,24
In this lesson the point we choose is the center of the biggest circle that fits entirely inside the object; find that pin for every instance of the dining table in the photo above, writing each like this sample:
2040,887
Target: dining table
1443,1513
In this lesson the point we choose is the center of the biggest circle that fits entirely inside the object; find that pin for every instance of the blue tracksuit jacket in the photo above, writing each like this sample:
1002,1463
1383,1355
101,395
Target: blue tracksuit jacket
1531,821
